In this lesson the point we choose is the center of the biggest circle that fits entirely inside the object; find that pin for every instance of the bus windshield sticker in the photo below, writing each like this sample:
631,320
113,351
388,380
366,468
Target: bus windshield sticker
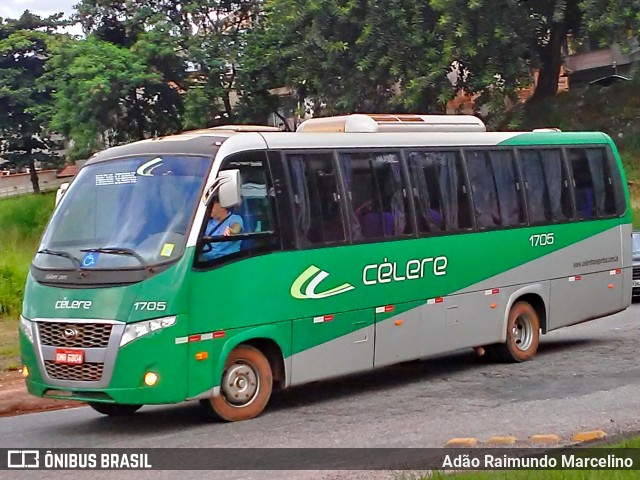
147,168
117,178
90,259
167,250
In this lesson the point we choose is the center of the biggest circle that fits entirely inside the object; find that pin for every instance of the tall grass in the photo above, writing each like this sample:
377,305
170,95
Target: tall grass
22,220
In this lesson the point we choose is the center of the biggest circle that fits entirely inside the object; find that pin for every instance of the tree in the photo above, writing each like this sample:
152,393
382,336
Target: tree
405,55
204,37
508,39
105,95
347,56
24,50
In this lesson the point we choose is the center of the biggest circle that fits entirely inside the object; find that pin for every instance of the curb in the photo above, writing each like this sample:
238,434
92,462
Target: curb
540,439
545,439
507,440
588,436
462,442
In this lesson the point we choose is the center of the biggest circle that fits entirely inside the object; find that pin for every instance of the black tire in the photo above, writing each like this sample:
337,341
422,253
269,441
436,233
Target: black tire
245,387
523,335
114,409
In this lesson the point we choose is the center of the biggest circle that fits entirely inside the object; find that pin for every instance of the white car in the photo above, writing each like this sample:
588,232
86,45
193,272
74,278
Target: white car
60,192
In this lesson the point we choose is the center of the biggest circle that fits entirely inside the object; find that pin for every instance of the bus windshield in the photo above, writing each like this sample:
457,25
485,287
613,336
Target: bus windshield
125,213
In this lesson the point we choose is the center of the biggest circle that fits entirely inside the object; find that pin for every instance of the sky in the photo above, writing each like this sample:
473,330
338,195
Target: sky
44,8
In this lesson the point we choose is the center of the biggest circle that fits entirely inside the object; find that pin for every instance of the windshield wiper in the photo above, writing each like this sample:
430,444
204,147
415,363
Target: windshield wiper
61,253
118,251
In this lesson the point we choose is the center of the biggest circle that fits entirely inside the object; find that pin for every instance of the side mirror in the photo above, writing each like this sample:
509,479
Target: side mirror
61,190
227,188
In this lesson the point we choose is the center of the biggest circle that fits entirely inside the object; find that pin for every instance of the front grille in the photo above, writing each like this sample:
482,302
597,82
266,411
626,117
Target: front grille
86,372
83,335
636,273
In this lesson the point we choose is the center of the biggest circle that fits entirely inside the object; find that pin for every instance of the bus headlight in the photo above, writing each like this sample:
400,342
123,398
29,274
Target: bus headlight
27,328
139,329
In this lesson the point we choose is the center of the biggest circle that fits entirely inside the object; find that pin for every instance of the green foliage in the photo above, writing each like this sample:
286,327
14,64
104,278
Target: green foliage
402,55
24,50
345,57
25,216
196,46
11,289
150,68
194,115
101,94
22,220
613,110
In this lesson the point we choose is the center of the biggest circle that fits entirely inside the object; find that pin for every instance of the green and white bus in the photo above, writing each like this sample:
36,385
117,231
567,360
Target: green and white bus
221,264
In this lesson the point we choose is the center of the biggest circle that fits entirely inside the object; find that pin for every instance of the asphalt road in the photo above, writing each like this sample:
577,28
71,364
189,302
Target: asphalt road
584,377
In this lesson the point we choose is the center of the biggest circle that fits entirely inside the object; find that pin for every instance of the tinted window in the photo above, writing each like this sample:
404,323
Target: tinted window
483,188
495,188
546,186
440,194
316,208
248,226
592,182
258,205
378,206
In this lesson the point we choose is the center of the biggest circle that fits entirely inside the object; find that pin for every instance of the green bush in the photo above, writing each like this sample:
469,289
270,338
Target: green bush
22,220
25,215
11,290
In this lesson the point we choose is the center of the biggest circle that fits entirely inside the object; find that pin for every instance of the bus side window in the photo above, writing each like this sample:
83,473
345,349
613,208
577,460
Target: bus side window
378,206
316,203
496,188
483,189
546,185
592,182
439,189
258,200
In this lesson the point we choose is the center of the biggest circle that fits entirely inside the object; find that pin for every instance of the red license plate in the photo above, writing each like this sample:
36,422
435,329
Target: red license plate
72,357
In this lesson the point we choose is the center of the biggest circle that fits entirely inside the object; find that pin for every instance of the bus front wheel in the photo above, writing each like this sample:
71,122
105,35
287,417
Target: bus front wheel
523,334
246,385
114,409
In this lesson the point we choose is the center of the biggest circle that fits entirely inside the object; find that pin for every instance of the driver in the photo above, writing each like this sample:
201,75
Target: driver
223,222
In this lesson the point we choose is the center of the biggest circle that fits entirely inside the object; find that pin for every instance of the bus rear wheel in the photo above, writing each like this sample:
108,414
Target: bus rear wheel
246,385
523,334
114,409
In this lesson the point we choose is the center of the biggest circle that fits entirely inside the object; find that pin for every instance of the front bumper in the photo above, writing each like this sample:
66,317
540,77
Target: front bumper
110,373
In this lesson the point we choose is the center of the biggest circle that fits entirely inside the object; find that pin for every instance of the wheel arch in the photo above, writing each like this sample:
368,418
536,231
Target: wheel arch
537,295
269,339
273,352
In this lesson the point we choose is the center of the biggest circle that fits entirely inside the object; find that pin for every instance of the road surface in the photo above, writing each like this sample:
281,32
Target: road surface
584,377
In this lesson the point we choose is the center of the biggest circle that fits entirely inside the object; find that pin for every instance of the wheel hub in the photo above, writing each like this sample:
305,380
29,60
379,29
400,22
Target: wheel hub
522,332
240,384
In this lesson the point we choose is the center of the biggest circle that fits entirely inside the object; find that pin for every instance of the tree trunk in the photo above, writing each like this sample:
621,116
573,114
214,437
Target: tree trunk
139,115
227,105
551,62
285,123
33,174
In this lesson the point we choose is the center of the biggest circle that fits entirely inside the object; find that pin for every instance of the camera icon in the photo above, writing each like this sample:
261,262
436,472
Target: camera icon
23,459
